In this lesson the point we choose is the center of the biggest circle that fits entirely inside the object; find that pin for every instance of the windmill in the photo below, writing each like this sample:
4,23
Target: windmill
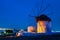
43,21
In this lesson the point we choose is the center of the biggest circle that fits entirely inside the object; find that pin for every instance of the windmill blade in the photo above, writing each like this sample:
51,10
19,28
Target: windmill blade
39,11
45,8
33,14
41,7
42,1
51,9
50,13
41,4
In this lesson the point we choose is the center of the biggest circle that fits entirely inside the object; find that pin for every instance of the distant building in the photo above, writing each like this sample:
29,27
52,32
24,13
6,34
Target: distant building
43,24
31,29
6,29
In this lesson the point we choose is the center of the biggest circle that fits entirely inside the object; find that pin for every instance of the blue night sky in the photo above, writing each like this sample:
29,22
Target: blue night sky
15,13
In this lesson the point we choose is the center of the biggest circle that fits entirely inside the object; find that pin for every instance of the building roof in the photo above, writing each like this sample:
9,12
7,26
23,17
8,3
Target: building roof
42,18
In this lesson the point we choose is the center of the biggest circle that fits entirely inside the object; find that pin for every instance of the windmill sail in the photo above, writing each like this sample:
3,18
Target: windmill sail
42,19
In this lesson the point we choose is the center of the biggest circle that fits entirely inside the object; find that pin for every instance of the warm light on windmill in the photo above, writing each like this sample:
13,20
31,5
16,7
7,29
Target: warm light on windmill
43,24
